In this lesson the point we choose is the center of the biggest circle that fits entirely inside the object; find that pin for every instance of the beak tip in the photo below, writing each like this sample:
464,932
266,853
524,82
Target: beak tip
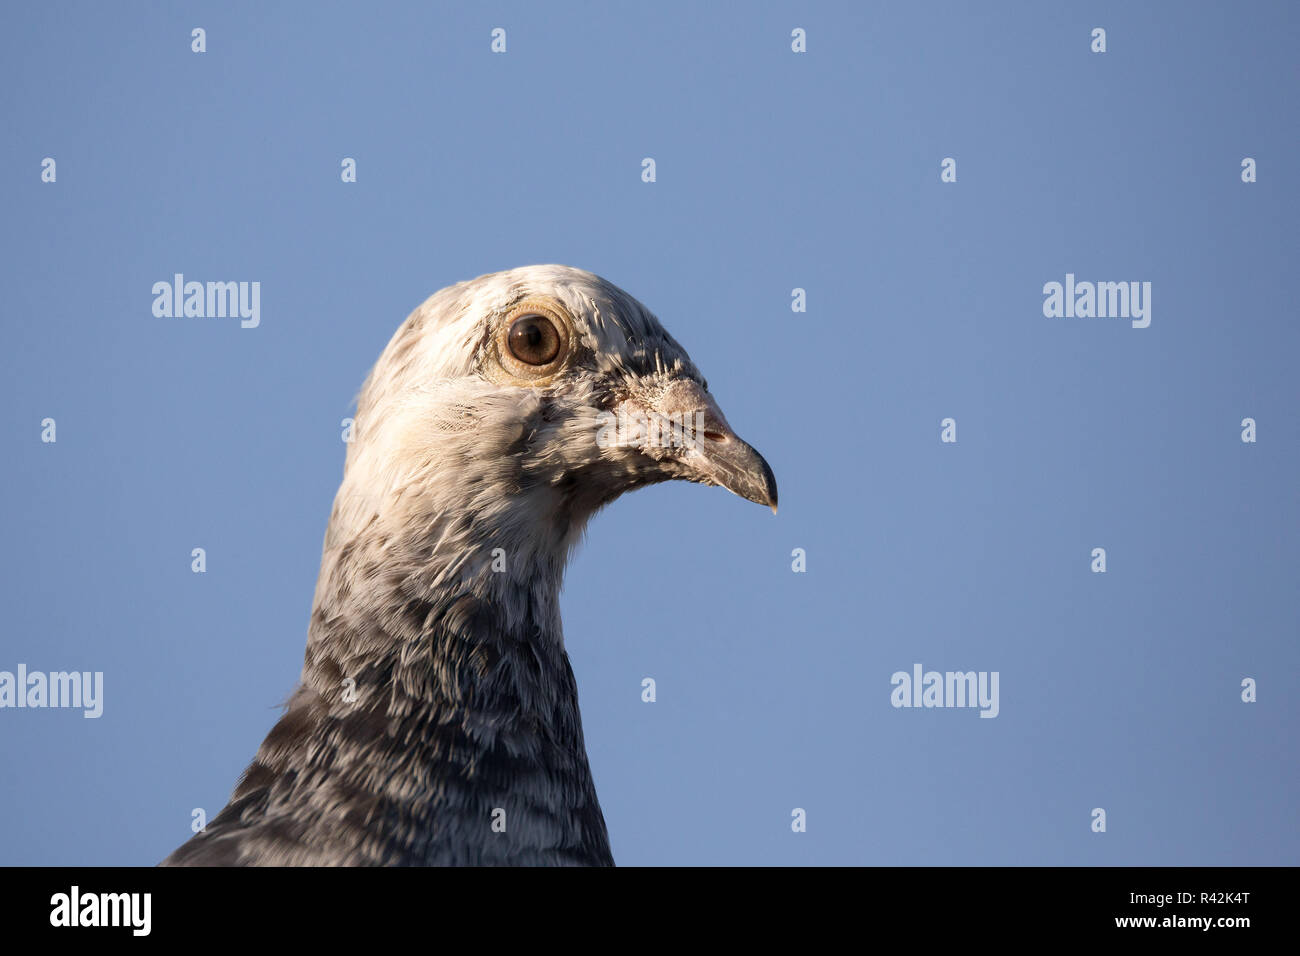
769,481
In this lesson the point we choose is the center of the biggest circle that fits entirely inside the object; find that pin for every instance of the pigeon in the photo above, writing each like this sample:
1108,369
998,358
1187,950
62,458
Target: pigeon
436,722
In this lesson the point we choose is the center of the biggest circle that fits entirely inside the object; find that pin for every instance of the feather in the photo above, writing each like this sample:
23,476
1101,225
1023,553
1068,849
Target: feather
437,718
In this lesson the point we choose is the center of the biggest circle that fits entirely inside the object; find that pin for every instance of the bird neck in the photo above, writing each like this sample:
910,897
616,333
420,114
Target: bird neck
423,597
441,672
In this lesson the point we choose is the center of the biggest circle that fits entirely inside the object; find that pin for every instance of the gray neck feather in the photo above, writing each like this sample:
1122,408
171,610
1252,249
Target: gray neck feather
464,742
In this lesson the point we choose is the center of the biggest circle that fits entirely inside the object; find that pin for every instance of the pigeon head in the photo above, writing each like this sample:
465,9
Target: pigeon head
437,701
508,409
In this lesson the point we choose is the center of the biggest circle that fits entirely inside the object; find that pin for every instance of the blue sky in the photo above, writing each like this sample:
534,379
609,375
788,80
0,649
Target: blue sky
774,171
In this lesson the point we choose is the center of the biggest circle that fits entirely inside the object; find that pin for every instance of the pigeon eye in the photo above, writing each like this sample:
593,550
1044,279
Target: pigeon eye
534,340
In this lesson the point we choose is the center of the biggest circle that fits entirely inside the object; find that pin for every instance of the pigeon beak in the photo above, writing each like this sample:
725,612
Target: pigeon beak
723,459
715,455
